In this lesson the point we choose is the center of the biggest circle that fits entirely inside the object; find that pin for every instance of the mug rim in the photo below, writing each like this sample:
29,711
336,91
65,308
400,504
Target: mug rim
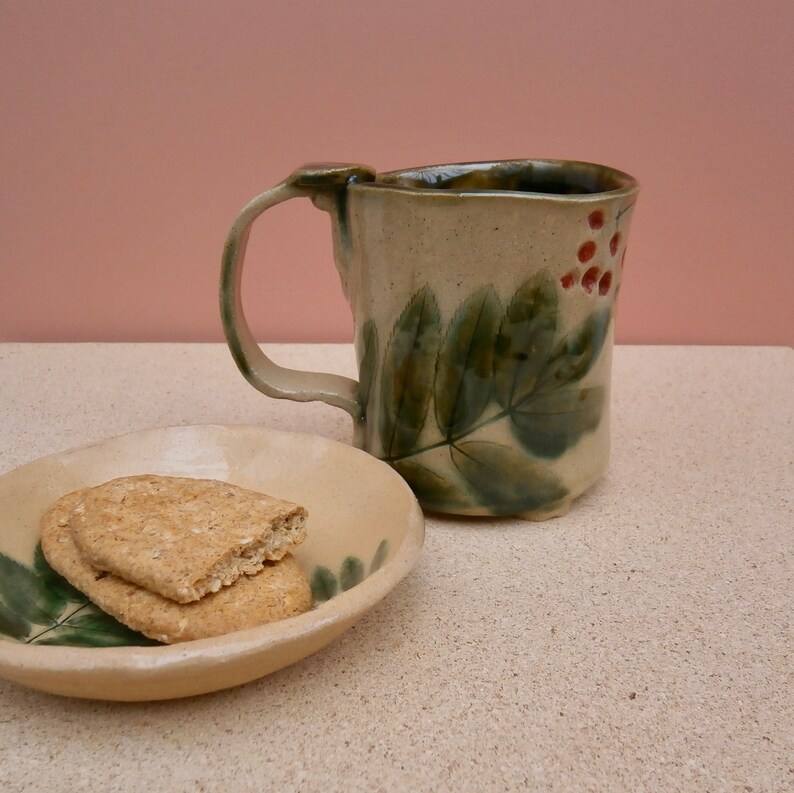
625,184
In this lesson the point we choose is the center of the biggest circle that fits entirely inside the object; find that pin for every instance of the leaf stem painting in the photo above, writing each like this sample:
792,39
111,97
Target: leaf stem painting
38,606
489,364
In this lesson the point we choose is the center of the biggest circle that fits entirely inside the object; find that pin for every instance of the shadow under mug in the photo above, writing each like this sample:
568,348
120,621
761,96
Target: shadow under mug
483,297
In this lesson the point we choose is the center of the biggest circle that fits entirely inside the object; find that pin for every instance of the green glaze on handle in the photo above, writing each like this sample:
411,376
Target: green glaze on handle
323,184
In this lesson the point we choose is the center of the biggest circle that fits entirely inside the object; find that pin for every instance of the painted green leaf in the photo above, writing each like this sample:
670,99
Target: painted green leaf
324,584
94,628
526,336
464,373
69,637
408,370
381,554
11,624
55,586
22,592
574,356
367,365
549,424
434,491
41,597
351,573
504,480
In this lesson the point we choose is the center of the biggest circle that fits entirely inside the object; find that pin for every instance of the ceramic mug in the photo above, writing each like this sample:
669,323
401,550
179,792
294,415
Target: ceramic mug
483,296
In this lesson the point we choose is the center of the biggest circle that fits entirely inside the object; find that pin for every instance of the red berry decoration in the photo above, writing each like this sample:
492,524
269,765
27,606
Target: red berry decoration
596,219
586,251
568,280
605,283
589,279
614,242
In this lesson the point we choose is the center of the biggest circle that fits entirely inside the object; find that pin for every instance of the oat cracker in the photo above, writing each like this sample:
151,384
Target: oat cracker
278,591
182,538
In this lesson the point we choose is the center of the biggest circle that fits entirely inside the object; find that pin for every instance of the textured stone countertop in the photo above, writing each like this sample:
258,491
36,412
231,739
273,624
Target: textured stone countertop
641,643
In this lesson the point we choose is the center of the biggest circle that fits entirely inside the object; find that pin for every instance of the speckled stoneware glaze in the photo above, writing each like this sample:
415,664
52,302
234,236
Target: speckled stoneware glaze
360,543
483,296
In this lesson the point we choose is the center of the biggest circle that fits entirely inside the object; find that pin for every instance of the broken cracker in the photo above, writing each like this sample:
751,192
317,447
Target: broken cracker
182,538
278,591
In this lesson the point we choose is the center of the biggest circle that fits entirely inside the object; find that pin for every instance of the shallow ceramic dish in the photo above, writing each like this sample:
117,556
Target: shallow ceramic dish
365,533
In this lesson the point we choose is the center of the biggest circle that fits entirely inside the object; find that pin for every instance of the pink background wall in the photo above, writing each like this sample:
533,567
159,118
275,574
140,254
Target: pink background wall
132,132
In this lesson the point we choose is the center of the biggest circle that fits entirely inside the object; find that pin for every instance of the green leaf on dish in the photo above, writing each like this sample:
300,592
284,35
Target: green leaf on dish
56,587
39,606
323,584
326,585
24,593
351,573
92,627
381,554
11,624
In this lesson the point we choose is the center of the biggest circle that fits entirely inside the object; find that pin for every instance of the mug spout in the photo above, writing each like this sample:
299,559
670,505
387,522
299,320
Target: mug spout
331,175
327,185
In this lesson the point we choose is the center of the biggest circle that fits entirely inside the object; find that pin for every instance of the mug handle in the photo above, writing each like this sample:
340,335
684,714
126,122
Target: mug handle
268,377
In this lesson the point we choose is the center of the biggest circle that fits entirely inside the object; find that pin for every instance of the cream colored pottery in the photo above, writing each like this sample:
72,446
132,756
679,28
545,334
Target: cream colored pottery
365,532
483,296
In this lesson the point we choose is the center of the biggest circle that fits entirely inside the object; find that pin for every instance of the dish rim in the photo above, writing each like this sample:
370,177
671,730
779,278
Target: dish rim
344,607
